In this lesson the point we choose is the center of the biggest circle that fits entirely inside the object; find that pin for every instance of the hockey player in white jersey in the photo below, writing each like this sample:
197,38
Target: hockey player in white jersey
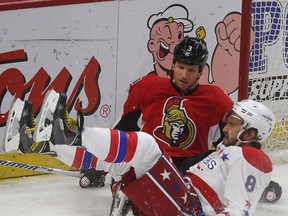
230,181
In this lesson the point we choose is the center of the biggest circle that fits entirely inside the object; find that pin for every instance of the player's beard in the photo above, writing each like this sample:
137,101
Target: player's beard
228,141
184,88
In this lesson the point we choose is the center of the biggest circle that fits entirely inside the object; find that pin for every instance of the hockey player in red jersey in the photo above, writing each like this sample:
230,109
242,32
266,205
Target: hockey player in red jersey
182,115
229,181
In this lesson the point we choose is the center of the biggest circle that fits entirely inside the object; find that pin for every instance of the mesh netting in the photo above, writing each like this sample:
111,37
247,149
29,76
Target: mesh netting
268,69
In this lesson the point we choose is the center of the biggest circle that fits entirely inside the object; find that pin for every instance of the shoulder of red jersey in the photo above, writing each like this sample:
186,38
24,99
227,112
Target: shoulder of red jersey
212,88
148,76
149,79
257,158
216,93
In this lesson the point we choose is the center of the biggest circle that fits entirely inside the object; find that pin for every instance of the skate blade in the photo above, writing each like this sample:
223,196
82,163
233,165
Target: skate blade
120,206
42,131
12,136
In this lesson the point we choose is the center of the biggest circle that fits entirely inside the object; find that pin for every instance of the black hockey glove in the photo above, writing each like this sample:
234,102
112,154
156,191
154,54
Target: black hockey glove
272,193
92,178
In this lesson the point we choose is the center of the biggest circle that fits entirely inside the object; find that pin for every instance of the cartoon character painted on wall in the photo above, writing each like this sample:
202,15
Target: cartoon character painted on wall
226,56
169,27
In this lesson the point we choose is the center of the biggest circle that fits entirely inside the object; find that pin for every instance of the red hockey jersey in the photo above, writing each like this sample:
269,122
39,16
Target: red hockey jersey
183,125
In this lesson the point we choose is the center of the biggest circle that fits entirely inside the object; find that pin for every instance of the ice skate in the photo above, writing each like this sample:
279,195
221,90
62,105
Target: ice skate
12,136
43,130
22,121
121,205
27,127
55,124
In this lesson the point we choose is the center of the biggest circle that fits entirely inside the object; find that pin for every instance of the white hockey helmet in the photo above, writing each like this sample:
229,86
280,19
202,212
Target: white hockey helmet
255,115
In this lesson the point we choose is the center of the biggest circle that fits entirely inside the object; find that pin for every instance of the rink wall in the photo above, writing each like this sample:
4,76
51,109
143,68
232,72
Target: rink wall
93,50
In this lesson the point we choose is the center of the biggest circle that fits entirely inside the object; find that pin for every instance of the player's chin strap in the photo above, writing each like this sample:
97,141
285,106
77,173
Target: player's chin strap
240,141
244,129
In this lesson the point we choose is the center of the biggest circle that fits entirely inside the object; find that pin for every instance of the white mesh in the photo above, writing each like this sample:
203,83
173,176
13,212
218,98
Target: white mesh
268,75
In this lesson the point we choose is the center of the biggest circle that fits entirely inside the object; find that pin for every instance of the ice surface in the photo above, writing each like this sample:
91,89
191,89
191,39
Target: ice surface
54,195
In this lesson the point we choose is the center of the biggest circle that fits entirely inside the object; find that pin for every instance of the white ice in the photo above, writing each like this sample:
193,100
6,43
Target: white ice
54,195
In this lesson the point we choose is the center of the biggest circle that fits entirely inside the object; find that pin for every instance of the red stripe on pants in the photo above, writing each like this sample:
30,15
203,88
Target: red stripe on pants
132,140
78,158
114,146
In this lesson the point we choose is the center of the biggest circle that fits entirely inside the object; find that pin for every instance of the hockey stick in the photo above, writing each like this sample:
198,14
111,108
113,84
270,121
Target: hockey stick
40,168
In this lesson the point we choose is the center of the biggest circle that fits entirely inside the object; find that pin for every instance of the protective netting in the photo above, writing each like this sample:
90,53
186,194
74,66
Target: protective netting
268,69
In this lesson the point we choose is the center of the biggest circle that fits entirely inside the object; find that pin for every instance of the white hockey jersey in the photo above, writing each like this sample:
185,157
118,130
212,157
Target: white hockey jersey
231,180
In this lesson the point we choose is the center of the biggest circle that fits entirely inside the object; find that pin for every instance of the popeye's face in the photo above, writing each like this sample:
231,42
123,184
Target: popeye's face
232,128
164,36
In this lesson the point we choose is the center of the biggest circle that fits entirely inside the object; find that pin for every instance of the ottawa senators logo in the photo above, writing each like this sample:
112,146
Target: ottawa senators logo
177,128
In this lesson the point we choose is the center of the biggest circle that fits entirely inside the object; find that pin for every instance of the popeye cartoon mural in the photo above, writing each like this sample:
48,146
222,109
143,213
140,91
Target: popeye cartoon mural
169,27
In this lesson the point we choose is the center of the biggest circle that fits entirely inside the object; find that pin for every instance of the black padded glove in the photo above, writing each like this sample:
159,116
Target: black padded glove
92,178
272,193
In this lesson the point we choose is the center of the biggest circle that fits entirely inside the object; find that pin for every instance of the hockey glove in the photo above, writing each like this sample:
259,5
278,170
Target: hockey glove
272,193
92,178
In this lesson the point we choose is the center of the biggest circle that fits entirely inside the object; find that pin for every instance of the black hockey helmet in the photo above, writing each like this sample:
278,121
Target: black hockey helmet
191,51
